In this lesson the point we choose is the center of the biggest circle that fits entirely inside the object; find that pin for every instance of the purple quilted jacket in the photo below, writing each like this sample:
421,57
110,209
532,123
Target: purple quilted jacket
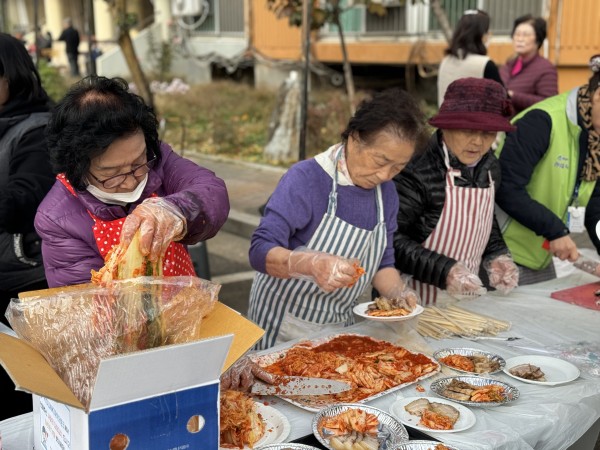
68,247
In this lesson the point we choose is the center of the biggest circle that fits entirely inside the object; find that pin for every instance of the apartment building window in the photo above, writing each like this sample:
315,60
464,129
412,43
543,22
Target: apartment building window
408,18
393,22
502,12
222,17
358,21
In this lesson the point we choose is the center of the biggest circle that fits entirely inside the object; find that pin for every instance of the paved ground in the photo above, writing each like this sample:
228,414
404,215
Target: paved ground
249,187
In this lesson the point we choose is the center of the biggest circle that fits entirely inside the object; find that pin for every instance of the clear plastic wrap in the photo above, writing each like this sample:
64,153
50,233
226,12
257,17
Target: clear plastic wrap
77,328
461,283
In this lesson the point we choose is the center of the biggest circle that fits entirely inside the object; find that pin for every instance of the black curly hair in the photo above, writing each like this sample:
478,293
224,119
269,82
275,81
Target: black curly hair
393,110
93,114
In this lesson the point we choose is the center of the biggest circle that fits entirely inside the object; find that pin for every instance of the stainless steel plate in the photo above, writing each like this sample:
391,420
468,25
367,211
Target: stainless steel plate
391,433
511,393
423,445
314,403
286,447
463,351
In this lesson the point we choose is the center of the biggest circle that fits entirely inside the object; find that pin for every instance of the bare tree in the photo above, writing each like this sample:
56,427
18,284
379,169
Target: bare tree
124,22
442,18
330,12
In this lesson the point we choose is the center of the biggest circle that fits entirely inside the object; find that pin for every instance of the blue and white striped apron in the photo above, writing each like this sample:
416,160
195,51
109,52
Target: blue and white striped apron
463,230
289,308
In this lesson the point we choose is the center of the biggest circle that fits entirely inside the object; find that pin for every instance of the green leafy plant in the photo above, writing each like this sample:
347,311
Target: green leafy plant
53,82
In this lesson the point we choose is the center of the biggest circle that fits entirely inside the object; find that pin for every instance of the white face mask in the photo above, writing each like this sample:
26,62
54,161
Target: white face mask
118,198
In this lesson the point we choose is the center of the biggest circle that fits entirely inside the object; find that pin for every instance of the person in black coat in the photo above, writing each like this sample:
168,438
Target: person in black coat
70,36
25,178
446,222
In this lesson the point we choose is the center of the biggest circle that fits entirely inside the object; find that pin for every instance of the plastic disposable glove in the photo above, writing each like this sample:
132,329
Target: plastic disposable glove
461,282
503,273
406,293
159,221
588,265
328,271
243,373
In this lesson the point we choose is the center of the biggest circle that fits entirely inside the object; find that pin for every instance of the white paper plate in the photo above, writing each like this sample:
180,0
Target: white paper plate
277,427
465,421
556,370
423,445
290,446
361,310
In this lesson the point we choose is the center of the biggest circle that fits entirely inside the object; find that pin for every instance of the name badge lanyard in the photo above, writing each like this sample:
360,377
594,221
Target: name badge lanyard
576,213
573,206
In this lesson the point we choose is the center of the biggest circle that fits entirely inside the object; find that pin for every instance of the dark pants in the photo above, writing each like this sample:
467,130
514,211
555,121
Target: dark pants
72,57
529,276
14,402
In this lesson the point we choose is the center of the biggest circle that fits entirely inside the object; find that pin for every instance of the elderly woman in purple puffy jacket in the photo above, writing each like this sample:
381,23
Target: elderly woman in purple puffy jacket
114,178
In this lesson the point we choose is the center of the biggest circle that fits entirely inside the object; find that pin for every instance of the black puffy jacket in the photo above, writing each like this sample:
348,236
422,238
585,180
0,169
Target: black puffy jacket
421,188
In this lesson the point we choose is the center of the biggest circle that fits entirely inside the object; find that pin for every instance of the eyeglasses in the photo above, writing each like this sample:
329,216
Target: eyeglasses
117,180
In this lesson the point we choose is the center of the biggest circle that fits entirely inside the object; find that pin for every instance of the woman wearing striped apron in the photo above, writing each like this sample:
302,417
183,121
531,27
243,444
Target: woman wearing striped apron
446,225
328,216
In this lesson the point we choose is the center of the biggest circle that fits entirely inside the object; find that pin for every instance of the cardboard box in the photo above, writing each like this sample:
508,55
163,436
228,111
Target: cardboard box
165,398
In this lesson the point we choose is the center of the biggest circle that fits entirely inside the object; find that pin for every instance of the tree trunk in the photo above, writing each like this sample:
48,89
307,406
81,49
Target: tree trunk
137,74
442,18
346,64
119,10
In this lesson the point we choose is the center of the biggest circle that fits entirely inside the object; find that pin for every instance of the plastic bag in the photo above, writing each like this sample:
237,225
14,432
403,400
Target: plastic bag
585,355
78,327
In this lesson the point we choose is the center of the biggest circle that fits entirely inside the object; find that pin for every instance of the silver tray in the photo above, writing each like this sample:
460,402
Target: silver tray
315,403
391,432
463,351
286,447
511,393
423,445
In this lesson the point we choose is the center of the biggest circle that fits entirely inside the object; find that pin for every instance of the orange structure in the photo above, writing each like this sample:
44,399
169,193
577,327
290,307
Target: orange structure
572,35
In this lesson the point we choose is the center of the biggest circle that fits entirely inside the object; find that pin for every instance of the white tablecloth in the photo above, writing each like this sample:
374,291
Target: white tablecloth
545,418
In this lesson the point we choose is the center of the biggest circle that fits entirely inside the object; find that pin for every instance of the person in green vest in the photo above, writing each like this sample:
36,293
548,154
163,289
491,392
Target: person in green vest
550,165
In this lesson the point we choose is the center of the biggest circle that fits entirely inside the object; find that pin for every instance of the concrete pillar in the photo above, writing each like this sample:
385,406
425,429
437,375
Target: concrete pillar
269,76
106,30
162,15
55,13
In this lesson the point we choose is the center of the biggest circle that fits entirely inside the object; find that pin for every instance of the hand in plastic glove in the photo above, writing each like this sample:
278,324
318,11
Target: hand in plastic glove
406,293
242,374
462,282
503,273
564,248
588,265
159,222
328,271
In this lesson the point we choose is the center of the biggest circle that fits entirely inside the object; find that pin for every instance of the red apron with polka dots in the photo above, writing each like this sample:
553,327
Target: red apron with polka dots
177,260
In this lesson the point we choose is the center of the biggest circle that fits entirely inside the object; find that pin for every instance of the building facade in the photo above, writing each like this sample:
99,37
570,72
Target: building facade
235,34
